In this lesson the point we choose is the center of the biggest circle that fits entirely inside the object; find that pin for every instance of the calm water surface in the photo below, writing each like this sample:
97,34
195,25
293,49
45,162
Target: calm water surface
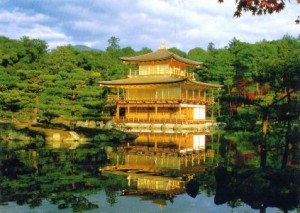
182,203
149,175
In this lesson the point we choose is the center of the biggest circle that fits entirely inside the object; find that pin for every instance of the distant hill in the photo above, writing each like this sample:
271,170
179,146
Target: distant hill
84,48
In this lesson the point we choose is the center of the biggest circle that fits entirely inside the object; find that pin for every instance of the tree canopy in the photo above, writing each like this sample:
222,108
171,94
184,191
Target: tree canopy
261,83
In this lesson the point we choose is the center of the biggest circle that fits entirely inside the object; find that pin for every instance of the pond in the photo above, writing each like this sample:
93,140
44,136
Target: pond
158,172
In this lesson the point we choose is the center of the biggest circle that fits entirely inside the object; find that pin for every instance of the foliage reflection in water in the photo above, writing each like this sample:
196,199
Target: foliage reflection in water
161,168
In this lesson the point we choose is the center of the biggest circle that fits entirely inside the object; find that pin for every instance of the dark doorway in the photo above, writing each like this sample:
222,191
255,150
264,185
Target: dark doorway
122,112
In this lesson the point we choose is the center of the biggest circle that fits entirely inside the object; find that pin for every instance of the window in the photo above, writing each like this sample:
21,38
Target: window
168,93
199,113
163,69
199,142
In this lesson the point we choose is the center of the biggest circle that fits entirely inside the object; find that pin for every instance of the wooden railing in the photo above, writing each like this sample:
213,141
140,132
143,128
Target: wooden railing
173,72
114,98
162,120
204,100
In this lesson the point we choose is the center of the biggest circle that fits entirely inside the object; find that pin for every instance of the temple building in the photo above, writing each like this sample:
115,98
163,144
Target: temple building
161,93
161,164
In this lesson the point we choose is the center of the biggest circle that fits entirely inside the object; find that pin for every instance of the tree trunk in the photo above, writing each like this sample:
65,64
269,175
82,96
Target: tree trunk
35,110
262,209
263,146
288,131
258,89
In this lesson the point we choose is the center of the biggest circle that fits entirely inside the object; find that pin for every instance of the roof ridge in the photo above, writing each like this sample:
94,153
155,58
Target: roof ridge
160,54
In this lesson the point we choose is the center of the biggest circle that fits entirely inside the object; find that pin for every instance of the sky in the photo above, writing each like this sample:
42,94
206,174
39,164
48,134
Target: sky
184,24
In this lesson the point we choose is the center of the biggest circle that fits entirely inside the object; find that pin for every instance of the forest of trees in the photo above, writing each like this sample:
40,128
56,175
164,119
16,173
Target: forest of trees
260,113
62,83
260,94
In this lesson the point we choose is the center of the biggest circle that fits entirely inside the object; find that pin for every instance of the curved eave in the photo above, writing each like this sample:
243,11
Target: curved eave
205,85
159,55
141,81
187,61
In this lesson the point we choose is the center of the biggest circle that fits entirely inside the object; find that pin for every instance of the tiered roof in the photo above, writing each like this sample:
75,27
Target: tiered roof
156,80
160,55
143,81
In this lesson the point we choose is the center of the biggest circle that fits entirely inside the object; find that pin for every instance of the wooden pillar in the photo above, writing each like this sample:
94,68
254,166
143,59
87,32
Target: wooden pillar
135,112
180,93
193,94
186,161
118,95
186,94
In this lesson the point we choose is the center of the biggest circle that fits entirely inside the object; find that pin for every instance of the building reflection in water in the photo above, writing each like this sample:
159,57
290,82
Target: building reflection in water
160,164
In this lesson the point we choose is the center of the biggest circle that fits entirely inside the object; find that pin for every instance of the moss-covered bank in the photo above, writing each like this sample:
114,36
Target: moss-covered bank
15,136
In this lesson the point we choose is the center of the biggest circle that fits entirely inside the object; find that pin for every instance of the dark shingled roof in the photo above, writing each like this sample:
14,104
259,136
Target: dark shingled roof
160,54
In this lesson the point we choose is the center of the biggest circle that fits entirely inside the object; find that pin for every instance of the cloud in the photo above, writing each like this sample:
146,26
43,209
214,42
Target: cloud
16,17
184,24
16,24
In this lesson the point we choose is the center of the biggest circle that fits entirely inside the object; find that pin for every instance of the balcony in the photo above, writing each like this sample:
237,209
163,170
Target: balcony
177,73
121,99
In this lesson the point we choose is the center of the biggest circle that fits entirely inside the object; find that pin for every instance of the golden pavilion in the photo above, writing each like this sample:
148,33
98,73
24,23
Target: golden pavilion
160,93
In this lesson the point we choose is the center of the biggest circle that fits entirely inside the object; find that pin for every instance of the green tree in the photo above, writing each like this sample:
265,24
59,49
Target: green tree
113,44
198,54
201,55
284,77
177,52
11,52
35,50
280,74
144,50
244,60
61,59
